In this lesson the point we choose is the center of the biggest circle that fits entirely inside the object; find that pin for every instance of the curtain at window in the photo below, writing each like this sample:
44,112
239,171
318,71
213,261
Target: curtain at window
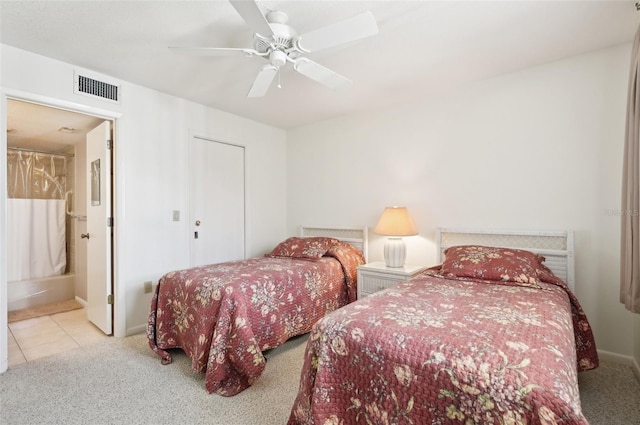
630,235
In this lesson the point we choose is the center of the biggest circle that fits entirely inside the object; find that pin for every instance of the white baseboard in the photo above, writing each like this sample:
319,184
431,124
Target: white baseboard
137,330
616,358
619,358
131,331
82,302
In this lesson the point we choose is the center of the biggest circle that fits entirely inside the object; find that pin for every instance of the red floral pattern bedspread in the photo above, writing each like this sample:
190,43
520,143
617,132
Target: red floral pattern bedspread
442,351
224,315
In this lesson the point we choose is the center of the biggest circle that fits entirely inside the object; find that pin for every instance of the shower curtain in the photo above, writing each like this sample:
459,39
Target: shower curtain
36,229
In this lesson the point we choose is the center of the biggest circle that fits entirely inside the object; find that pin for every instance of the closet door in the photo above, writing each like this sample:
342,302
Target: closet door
217,201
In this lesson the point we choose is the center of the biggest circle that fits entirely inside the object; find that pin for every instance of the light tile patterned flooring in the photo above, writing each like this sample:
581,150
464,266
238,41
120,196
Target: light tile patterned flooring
46,335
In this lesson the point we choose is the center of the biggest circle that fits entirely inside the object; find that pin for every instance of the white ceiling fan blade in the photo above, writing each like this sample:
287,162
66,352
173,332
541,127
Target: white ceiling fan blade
253,16
360,26
214,51
263,81
319,73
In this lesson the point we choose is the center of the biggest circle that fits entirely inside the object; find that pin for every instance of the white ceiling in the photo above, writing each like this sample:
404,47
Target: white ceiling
422,47
31,126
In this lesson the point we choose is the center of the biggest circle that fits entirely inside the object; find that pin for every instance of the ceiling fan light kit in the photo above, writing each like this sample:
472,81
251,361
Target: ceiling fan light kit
277,58
279,43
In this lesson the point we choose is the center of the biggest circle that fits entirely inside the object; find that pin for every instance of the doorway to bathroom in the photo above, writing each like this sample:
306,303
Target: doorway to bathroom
54,179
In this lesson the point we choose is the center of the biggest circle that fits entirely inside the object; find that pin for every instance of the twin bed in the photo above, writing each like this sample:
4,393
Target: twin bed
490,335
225,315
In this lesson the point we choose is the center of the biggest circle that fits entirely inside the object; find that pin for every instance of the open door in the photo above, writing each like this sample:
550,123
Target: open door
99,228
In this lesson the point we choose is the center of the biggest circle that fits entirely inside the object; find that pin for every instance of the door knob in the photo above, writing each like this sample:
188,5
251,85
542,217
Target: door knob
197,222
84,235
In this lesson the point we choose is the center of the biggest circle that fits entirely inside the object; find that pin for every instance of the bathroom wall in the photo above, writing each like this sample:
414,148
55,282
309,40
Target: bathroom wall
80,225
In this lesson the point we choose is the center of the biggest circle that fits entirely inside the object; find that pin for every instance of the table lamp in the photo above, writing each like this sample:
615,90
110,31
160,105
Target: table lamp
395,222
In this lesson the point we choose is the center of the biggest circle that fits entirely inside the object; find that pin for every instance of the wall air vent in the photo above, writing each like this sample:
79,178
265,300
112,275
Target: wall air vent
96,86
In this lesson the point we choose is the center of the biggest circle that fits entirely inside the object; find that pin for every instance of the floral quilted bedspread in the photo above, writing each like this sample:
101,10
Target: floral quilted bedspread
448,351
224,315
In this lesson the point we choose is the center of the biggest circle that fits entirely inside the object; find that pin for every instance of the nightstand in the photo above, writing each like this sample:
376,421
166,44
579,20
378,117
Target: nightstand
374,277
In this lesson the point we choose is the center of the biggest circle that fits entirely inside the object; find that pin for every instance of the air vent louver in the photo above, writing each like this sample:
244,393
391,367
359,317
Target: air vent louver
96,88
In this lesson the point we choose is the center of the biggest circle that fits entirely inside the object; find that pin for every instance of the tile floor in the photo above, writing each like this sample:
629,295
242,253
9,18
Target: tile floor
43,336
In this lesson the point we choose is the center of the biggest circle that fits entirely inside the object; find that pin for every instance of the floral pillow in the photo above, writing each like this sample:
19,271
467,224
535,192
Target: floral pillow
309,248
491,263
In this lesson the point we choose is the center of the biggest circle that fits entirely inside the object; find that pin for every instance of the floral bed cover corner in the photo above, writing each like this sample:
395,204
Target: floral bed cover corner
449,351
224,315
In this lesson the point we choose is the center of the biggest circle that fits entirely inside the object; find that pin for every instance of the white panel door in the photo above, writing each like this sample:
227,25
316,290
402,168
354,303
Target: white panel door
216,202
98,236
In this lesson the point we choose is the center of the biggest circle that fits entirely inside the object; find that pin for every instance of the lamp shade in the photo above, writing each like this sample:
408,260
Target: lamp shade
395,221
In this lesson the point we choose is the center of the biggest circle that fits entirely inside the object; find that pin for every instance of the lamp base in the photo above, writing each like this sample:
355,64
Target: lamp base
395,252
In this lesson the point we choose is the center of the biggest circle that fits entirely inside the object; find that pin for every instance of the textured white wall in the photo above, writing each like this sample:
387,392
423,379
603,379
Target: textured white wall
153,181
536,149
151,168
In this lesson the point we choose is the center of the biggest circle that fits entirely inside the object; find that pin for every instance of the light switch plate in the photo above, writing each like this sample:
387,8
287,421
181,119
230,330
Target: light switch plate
176,215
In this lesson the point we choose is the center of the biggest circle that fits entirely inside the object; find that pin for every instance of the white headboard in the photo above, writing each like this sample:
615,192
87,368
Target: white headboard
556,247
353,235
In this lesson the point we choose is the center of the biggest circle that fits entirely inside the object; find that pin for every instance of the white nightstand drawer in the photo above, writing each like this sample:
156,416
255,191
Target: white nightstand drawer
374,277
372,282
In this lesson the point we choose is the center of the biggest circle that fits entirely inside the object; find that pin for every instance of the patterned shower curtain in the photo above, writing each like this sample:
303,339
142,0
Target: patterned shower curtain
36,231
33,175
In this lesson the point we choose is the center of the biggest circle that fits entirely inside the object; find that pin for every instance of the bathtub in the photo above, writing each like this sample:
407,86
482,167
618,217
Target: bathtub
35,292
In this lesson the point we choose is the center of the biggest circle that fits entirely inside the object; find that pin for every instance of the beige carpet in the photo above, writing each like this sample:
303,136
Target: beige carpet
43,310
121,381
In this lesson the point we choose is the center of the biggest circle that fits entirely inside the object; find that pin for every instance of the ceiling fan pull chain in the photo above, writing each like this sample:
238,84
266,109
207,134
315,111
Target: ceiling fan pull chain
279,85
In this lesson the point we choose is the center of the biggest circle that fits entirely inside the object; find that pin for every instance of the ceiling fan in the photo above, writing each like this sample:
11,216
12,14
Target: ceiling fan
279,43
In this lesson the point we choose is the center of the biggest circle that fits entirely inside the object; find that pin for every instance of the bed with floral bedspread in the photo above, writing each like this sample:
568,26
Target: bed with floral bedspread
490,336
225,315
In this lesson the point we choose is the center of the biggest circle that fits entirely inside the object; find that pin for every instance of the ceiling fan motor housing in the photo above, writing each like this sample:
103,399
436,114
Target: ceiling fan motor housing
283,40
